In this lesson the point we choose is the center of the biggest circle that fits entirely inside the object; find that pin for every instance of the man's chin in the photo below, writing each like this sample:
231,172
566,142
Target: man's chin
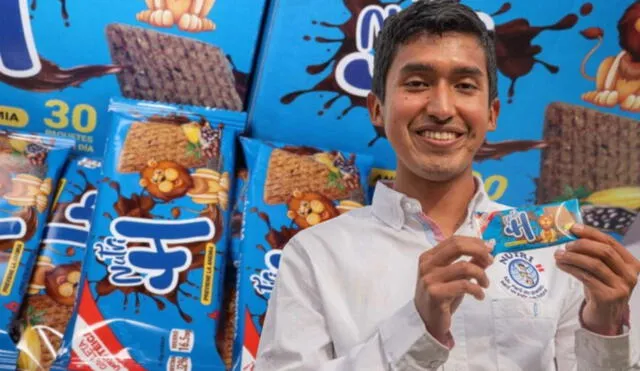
440,174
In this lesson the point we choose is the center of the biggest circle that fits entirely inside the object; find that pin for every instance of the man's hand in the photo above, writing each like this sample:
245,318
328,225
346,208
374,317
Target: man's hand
609,274
443,282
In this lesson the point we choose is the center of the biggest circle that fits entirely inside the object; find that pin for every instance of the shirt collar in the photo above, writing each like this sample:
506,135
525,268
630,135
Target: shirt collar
394,208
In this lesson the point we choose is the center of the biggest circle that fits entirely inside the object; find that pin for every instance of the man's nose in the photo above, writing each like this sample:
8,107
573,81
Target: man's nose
440,106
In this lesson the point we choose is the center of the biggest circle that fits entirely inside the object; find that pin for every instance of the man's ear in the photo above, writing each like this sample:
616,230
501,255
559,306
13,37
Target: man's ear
375,110
494,112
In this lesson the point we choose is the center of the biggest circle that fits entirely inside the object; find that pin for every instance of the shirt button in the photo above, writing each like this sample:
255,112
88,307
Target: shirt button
411,207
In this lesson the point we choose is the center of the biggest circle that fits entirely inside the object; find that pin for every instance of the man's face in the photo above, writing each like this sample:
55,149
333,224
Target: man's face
436,111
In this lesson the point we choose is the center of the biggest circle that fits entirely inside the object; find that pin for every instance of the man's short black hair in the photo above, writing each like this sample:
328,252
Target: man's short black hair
430,17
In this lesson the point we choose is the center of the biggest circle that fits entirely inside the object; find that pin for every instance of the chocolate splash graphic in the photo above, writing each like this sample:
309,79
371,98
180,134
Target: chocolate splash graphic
141,206
496,151
63,10
51,77
515,54
277,239
241,79
301,150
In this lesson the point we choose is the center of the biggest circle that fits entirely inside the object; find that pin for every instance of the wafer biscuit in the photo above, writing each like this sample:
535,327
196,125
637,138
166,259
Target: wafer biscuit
228,331
289,172
156,141
167,68
587,149
52,318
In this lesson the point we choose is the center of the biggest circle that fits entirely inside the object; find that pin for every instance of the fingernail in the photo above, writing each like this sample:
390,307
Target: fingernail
559,252
577,227
569,245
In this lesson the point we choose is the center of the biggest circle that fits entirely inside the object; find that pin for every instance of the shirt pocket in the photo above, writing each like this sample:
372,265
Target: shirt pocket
524,334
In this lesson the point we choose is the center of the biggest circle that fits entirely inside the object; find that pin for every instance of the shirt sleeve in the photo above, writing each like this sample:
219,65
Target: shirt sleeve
582,350
295,333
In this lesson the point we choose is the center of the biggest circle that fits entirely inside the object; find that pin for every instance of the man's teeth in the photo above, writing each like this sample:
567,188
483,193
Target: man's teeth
439,135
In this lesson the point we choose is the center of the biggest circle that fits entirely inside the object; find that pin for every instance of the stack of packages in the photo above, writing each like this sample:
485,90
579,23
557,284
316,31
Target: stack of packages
122,265
146,220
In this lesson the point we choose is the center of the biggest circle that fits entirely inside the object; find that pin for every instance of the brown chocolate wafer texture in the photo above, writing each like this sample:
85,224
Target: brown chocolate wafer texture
289,172
229,328
167,68
43,311
156,141
587,148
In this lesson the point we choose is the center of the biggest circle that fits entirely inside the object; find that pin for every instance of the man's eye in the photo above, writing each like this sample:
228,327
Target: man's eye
416,84
466,86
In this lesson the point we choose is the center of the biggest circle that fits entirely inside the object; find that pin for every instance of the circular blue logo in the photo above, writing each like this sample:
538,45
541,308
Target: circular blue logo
523,273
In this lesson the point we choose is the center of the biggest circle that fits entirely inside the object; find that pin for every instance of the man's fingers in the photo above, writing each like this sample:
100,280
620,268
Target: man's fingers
458,246
461,270
590,233
588,280
453,289
595,267
602,252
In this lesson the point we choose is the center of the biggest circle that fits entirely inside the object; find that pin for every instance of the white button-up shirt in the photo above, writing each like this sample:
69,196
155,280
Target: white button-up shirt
344,301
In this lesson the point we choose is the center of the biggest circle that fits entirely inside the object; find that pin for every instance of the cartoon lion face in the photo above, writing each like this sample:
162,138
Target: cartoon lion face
62,283
309,209
165,180
546,222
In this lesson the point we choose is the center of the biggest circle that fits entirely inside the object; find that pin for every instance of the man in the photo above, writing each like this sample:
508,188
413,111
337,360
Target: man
347,295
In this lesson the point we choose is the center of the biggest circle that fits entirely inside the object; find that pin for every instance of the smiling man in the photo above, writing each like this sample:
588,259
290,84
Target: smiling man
405,284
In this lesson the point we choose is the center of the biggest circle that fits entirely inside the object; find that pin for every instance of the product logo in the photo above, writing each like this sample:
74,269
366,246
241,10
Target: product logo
150,252
354,72
80,214
517,225
18,54
265,281
524,277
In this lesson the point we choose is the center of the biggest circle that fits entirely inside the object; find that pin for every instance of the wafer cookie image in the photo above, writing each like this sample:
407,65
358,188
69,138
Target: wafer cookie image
328,173
593,156
46,322
189,144
166,68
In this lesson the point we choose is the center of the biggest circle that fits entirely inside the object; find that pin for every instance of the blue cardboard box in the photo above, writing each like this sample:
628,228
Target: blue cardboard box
61,61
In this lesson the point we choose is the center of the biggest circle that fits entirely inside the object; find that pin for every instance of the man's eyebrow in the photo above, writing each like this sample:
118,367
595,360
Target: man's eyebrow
468,71
429,68
417,67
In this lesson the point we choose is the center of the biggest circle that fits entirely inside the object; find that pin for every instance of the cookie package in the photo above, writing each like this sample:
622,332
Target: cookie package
290,188
53,289
531,227
30,166
150,293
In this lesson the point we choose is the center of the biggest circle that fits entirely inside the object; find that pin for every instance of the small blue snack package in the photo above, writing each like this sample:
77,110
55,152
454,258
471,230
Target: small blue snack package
53,288
151,291
531,227
291,188
30,166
